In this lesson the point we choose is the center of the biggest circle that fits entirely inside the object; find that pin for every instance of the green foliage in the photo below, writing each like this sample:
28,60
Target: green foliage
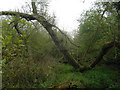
22,73
64,73
62,68
103,77
26,73
95,30
13,45
30,59
40,44
113,56
21,67
99,77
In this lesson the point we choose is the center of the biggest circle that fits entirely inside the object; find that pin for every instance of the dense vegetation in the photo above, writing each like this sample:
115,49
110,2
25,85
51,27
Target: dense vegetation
32,59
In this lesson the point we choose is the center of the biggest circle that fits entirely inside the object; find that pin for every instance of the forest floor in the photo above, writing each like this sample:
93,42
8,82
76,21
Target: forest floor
28,74
102,76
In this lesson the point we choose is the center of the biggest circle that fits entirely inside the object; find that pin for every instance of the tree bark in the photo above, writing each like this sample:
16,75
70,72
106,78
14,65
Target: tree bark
103,51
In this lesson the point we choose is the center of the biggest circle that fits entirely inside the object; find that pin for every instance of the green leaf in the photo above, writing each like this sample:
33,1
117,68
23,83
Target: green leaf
20,41
21,45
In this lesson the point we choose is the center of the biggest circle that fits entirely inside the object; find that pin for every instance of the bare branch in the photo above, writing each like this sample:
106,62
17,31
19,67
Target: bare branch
34,7
66,36
23,15
17,29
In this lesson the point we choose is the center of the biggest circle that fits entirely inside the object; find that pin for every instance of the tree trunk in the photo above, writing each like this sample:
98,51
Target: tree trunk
103,51
51,32
59,45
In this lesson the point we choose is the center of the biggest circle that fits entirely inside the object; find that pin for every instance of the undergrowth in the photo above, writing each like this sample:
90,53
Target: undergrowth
103,77
28,74
99,77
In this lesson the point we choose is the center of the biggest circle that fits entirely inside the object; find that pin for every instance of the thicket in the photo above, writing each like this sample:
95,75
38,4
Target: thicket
32,60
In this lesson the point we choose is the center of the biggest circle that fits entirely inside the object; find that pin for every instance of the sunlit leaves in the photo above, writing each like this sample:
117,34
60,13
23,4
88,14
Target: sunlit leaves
20,41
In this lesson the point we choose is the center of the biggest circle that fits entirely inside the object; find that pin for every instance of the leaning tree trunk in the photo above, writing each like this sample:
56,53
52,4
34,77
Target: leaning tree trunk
59,45
103,52
49,29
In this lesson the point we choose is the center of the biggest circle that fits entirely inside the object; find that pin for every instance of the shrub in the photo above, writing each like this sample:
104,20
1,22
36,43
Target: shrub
22,73
103,77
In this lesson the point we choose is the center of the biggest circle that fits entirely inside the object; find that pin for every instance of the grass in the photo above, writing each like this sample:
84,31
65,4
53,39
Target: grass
99,77
63,74
31,75
103,77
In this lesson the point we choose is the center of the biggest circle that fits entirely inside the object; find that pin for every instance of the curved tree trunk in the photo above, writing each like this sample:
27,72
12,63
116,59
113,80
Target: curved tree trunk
57,42
49,29
59,45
